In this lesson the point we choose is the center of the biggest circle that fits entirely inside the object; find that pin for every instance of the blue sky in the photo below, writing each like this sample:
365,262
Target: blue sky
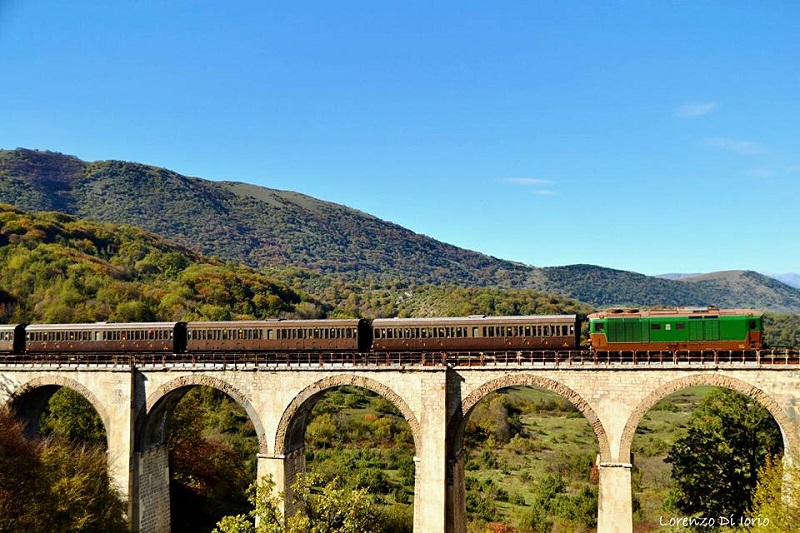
654,136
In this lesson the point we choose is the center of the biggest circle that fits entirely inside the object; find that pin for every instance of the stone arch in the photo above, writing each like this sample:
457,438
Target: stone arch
457,422
48,385
787,427
292,424
152,419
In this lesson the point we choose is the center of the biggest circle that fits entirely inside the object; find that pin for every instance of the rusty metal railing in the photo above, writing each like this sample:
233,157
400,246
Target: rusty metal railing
466,359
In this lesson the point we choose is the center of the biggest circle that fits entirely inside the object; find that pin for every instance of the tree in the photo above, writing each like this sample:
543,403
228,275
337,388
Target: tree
71,417
716,464
776,501
334,508
54,485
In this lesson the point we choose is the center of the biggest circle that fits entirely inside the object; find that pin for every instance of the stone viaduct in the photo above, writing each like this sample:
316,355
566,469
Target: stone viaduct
135,403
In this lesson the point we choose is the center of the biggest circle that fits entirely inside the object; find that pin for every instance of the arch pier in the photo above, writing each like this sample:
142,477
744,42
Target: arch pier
135,403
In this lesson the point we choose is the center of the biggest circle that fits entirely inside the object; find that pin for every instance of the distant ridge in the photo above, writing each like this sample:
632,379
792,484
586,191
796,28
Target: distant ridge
676,276
791,279
263,227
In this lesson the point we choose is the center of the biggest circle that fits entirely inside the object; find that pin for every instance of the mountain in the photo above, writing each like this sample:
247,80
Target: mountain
744,286
243,223
791,279
675,276
268,228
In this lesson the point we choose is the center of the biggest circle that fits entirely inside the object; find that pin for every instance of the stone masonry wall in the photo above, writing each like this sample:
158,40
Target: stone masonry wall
153,490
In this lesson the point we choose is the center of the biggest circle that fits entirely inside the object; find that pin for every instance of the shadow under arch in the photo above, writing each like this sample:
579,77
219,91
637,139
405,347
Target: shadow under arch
152,421
29,400
787,427
457,422
291,428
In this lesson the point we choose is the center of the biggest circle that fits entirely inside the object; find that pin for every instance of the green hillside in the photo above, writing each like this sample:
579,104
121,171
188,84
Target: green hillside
57,268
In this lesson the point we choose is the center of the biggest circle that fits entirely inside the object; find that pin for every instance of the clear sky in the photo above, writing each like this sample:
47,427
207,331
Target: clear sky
652,136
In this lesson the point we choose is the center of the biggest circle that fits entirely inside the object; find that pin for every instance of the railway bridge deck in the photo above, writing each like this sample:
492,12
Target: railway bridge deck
134,397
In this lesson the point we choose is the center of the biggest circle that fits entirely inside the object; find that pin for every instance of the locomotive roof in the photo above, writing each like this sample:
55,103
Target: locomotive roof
473,320
102,326
677,312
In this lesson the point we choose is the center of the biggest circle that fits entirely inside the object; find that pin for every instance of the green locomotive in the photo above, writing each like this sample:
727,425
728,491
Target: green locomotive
693,329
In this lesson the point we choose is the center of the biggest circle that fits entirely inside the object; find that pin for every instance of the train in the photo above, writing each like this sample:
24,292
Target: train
692,329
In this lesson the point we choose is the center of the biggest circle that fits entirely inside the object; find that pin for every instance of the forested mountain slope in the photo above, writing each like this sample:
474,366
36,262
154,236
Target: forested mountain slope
58,268
284,230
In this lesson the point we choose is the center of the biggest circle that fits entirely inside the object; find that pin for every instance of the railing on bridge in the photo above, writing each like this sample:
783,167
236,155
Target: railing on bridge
572,358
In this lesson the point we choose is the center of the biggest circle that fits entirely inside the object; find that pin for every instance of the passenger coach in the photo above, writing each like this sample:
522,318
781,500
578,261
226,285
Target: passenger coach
12,339
279,336
107,338
476,333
